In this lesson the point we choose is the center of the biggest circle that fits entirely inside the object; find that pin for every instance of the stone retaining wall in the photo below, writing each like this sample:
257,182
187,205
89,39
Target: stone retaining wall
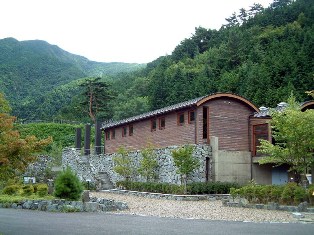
88,168
302,207
95,204
169,196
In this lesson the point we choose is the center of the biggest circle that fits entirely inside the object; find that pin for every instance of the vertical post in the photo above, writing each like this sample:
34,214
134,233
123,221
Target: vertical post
214,143
87,140
97,137
78,139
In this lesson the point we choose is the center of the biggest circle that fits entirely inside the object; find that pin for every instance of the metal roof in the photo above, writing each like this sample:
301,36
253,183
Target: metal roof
164,110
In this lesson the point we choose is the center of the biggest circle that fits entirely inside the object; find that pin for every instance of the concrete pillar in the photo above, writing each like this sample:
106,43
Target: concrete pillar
214,143
78,139
87,139
98,137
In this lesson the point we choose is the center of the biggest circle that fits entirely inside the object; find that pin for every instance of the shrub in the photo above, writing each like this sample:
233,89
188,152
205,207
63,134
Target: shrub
275,193
300,195
42,190
28,189
13,189
311,194
287,195
68,186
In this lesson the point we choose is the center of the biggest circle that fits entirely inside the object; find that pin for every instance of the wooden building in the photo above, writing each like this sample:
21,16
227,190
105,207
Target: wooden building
237,124
223,115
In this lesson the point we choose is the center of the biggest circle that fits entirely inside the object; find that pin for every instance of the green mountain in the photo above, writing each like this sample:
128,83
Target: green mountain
31,71
263,54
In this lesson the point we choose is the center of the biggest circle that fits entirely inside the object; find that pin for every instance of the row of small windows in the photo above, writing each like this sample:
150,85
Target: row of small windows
161,125
181,119
112,134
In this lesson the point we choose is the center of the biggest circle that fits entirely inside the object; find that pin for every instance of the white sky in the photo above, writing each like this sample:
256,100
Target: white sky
132,31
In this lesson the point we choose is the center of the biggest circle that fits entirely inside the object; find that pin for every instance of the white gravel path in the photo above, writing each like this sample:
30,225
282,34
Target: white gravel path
208,210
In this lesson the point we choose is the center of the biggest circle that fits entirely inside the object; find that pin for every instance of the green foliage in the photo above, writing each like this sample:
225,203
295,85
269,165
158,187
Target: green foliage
16,152
310,194
293,131
123,164
68,186
152,187
193,188
41,190
289,194
14,189
185,162
35,70
148,164
28,189
96,96
63,135
211,187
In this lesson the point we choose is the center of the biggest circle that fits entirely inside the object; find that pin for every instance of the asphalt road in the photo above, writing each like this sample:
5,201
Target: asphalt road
29,222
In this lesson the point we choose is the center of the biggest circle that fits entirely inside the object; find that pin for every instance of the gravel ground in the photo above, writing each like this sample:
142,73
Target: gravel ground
208,210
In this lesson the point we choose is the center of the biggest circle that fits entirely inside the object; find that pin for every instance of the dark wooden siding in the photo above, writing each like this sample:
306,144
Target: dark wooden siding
229,121
173,134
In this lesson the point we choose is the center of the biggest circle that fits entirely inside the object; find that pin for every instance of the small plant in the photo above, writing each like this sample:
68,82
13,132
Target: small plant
69,209
13,189
68,186
311,194
185,163
287,195
123,164
148,164
42,190
300,195
28,189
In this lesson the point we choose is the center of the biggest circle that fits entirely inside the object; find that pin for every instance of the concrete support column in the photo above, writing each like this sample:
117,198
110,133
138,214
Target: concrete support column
87,139
97,137
78,139
214,143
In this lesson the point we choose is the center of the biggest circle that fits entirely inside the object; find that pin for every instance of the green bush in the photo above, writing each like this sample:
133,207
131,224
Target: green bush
287,195
300,195
28,189
42,190
211,187
14,189
310,194
68,186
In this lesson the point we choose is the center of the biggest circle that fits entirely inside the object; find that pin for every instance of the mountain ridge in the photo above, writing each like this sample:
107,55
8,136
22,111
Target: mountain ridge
30,69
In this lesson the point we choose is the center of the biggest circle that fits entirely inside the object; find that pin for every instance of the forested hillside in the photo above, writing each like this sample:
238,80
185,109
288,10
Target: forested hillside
38,78
261,54
262,58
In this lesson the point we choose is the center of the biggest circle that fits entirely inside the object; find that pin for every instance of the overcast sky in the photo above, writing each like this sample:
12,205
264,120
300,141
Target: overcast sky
133,31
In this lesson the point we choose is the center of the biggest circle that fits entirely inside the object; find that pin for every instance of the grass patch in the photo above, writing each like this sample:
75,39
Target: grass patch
18,198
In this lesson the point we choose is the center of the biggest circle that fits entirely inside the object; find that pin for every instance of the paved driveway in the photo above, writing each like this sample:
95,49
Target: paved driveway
29,222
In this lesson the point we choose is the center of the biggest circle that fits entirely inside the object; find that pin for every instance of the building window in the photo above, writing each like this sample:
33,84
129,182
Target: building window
130,130
191,116
124,131
260,132
180,119
153,124
108,135
113,134
162,123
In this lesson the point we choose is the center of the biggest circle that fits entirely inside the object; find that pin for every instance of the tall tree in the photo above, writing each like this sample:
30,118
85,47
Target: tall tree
293,131
96,96
15,152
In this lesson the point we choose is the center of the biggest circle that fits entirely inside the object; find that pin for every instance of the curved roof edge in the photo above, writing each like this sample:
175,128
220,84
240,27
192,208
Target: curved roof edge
230,95
197,101
307,104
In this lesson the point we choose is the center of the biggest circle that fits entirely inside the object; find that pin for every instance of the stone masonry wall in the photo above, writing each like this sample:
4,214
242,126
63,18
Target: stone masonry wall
89,168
